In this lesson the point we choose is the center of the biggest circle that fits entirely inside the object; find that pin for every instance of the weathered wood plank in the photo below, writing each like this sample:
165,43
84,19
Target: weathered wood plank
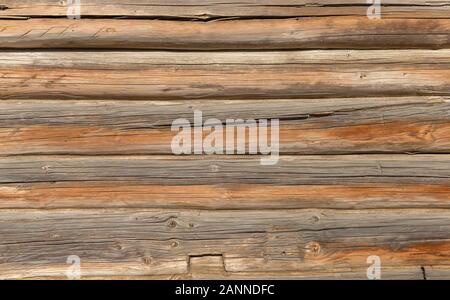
230,75
209,9
212,267
145,215
374,181
307,33
296,243
223,196
193,170
307,126
405,273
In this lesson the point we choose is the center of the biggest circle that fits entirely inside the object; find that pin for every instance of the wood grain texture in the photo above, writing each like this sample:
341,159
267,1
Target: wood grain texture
307,126
343,182
300,33
219,75
152,242
208,9
86,168
192,170
113,194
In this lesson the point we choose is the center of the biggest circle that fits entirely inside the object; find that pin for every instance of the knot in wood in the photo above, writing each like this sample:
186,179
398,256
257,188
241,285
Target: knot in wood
313,247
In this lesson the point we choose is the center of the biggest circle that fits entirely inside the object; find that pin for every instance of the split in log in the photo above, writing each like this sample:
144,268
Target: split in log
307,126
212,10
304,33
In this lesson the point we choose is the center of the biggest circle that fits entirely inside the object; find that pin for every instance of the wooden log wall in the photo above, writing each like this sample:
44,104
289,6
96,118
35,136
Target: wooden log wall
86,166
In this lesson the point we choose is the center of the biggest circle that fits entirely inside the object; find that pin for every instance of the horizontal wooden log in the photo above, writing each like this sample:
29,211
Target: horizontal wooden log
223,75
115,194
305,33
405,273
84,173
307,126
202,170
291,243
205,10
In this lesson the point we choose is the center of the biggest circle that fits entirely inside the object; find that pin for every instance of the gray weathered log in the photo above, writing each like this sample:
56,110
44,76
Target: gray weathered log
331,243
191,170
